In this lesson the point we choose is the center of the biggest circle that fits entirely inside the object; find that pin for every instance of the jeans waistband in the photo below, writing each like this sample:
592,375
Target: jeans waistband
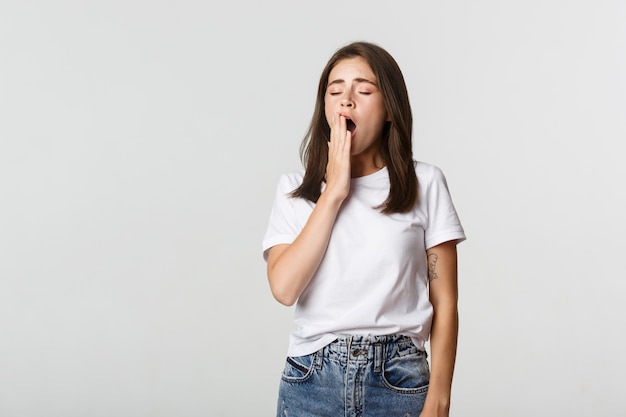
367,348
368,340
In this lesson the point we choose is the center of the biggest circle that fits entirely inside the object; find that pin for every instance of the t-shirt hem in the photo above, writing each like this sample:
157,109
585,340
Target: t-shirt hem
311,346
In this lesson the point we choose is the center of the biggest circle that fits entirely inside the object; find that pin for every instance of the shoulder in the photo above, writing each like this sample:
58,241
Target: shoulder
427,173
290,180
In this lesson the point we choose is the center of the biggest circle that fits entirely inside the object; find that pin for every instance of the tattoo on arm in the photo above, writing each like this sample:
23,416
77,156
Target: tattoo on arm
432,263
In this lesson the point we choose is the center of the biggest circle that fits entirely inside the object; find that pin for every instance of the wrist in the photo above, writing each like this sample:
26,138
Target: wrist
331,199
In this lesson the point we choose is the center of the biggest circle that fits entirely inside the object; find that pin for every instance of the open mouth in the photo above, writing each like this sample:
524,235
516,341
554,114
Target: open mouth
350,125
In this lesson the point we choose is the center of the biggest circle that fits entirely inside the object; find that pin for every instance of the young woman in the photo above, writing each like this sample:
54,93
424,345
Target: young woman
363,240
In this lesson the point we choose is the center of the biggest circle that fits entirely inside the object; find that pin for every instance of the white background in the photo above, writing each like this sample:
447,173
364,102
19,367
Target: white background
141,143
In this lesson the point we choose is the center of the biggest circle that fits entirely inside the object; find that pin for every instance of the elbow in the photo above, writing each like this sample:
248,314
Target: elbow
287,302
284,297
283,284
283,291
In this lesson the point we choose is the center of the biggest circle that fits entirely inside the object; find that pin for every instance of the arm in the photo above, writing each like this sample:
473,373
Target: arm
290,267
442,272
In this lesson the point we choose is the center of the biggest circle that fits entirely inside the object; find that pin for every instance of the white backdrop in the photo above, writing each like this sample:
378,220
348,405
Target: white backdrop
141,143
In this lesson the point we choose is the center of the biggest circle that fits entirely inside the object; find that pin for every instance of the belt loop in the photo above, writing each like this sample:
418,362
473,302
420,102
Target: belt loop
378,357
318,358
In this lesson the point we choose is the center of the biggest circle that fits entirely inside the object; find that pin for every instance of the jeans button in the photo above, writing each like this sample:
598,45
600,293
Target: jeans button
356,352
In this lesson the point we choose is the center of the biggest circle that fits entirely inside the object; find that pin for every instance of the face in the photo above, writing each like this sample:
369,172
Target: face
353,92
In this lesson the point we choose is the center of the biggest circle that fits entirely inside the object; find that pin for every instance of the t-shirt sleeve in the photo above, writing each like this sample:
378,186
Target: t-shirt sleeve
282,227
443,221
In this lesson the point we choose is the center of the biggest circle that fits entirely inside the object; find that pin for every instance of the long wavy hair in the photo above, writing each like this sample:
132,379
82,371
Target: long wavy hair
396,144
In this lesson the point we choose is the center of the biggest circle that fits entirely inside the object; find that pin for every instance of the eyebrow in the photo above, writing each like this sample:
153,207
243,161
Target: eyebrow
357,80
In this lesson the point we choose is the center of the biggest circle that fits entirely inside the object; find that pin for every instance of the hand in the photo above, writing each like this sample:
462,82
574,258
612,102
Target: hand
435,410
428,413
434,413
338,167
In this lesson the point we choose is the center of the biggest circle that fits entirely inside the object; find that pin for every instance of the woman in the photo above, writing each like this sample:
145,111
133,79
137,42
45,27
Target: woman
363,240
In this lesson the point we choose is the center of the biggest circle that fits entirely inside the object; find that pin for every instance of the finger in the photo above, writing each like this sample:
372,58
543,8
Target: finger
331,124
336,122
339,128
343,125
347,142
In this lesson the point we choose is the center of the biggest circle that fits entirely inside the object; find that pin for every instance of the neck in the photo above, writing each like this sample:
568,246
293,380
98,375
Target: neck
361,166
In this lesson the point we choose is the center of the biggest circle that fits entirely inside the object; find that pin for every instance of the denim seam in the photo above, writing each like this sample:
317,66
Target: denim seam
297,366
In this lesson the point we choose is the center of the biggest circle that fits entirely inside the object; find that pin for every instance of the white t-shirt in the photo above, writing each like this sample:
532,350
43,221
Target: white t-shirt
373,277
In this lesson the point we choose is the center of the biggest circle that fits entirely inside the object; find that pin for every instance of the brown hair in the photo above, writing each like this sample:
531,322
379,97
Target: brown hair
396,145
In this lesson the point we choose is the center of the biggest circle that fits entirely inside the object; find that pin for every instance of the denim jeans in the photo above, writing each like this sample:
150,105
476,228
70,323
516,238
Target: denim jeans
356,376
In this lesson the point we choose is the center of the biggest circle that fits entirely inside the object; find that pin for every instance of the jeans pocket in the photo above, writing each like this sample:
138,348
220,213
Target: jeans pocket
299,368
407,374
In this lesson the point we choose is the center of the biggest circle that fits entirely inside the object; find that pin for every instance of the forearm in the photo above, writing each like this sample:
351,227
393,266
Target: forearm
443,345
442,270
291,267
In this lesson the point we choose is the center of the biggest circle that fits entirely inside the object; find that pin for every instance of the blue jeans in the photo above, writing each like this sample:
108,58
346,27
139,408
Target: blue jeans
356,376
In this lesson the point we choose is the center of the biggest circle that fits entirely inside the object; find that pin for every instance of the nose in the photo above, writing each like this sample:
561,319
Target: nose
347,102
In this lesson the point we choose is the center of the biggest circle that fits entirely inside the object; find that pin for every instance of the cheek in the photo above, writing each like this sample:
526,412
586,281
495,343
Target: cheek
331,106
329,114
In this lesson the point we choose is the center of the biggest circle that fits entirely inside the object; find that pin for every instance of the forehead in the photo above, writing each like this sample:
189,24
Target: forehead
350,68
